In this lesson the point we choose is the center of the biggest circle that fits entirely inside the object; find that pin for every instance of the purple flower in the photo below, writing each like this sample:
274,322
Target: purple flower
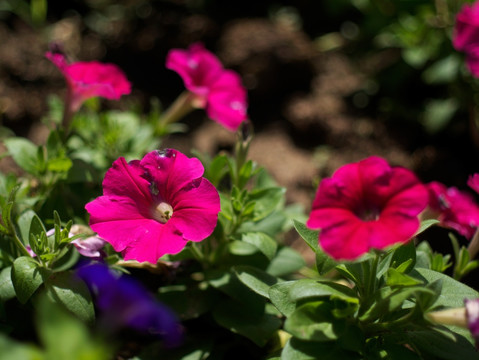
472,315
123,302
90,247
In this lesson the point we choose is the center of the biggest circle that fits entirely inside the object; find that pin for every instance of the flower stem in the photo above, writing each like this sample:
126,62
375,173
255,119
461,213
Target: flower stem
197,253
19,244
180,107
67,114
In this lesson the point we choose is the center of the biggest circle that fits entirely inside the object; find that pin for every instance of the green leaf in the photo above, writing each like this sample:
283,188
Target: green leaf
324,262
24,222
27,276
59,164
238,318
310,236
216,169
426,224
279,296
396,278
387,301
257,280
286,262
229,284
287,294
262,242
36,226
6,214
188,302
297,349
440,346
70,291
443,71
313,321
13,350
7,291
245,173
66,337
308,288
404,257
438,113
24,152
266,201
241,248
453,292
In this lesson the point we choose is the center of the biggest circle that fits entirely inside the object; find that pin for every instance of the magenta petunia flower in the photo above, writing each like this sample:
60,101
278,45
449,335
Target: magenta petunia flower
473,182
457,209
365,205
216,89
89,79
154,206
466,35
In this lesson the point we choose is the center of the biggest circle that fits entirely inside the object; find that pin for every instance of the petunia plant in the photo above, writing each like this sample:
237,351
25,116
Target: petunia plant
122,248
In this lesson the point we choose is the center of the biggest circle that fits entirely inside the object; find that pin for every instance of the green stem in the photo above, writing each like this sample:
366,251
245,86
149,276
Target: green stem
380,327
67,115
20,246
197,253
372,278
180,107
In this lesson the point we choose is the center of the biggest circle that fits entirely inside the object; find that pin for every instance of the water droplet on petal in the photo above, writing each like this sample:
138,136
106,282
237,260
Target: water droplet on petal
164,152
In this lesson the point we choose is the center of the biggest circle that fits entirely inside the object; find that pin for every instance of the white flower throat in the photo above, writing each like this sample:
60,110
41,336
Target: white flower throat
163,212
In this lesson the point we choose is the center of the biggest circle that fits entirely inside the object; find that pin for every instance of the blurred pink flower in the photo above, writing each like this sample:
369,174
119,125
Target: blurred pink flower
216,89
466,35
365,205
457,209
472,317
152,207
90,79
473,182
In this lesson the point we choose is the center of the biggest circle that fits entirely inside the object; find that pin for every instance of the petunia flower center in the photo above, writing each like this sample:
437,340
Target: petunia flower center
368,213
163,212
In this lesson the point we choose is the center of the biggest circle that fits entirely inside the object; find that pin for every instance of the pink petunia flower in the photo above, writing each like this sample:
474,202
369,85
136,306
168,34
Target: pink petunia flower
365,205
154,206
216,89
457,209
473,182
466,35
89,79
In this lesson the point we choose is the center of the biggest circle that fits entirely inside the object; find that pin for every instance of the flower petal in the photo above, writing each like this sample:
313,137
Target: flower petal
198,68
160,239
196,210
171,171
